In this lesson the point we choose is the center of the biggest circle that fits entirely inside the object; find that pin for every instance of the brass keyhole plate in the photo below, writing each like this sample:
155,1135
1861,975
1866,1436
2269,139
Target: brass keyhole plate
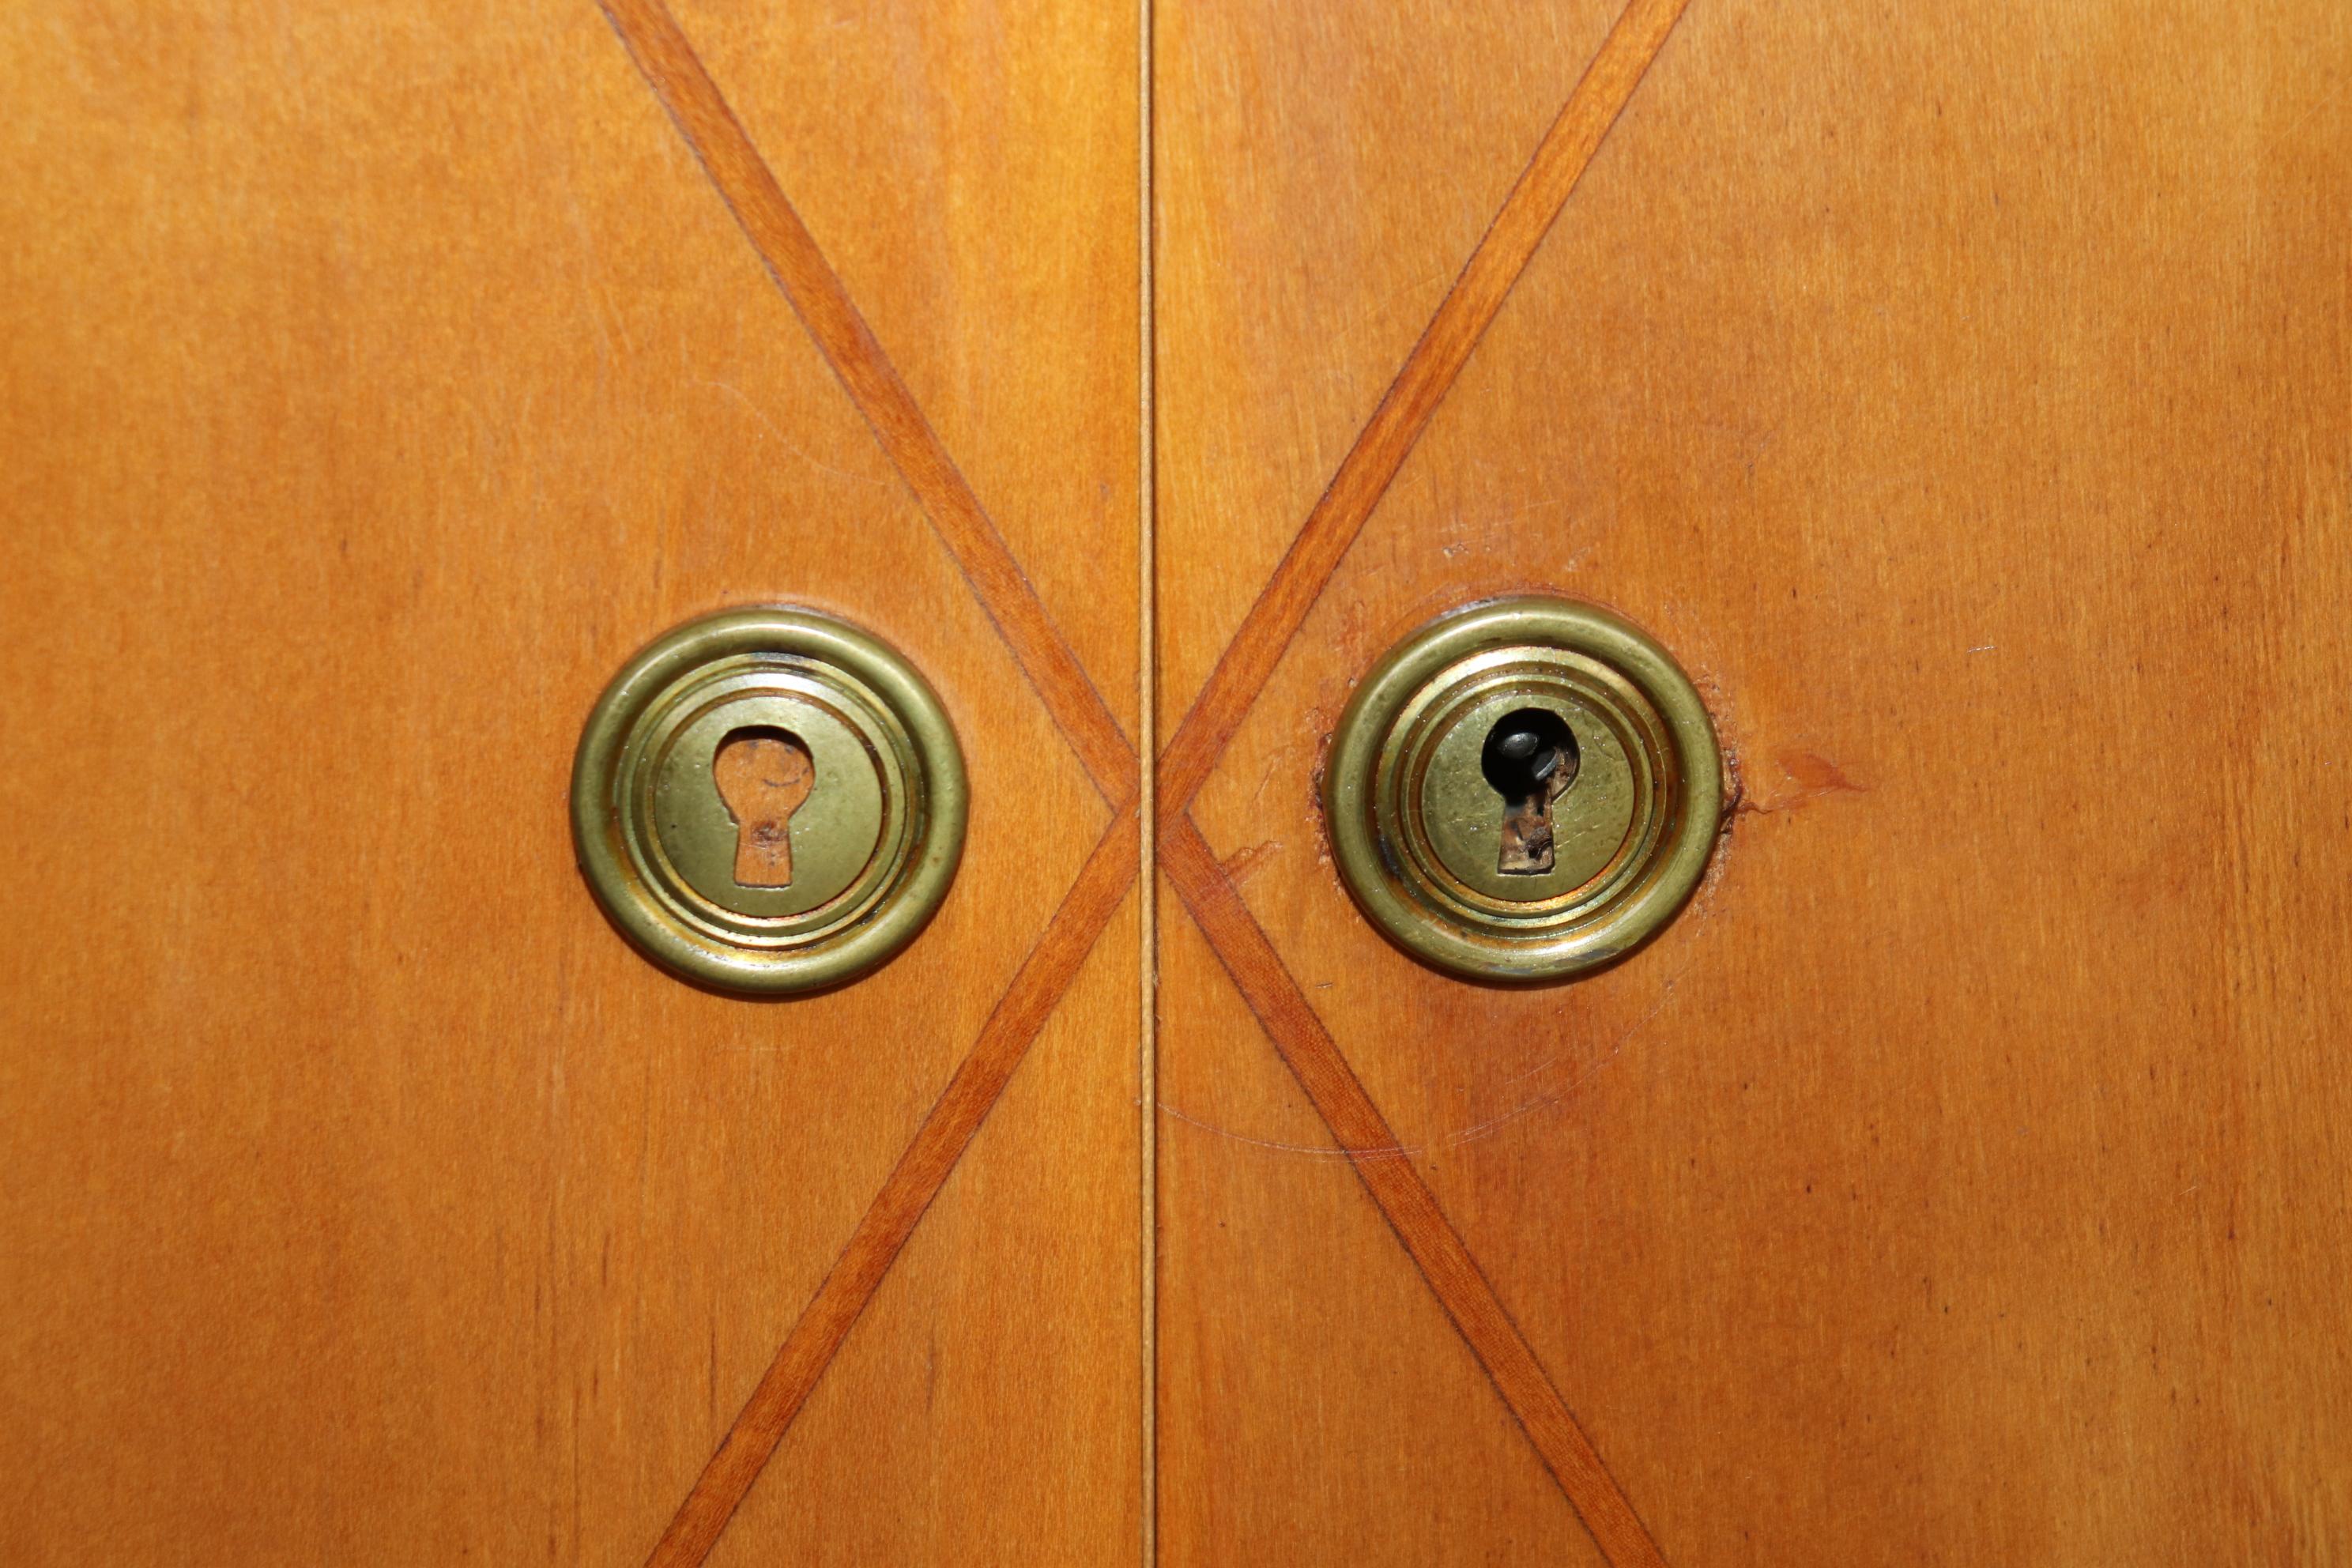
1417,824
874,841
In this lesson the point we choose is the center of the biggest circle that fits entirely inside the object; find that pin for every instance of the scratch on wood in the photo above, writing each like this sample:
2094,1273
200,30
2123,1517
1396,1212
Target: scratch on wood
1243,864
1811,777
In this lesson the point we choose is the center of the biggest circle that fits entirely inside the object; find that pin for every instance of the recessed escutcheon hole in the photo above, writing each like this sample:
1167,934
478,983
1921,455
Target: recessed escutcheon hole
764,775
1524,789
768,800
1530,758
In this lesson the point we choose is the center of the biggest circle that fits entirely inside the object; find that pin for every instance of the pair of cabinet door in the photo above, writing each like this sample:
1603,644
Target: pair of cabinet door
1964,394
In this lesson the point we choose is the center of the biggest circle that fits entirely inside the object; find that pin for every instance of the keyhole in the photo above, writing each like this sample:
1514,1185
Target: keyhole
1531,759
764,776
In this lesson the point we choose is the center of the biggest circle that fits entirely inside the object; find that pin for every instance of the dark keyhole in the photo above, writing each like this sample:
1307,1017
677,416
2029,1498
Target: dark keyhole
1530,758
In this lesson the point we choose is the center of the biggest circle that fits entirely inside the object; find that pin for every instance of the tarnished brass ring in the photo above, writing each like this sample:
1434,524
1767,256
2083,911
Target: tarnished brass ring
639,837
1397,796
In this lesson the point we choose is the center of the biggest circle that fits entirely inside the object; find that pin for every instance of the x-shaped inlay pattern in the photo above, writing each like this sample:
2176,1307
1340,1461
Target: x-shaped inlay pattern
1071,699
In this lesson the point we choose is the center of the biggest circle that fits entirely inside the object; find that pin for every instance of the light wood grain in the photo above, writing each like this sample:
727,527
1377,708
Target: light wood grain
378,379
1964,394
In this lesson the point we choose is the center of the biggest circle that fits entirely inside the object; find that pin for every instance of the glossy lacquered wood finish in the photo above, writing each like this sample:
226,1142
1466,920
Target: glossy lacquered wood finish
376,380
1962,393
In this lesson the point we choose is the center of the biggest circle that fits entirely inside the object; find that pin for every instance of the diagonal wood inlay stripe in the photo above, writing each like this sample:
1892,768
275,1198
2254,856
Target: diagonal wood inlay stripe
676,74
686,90
679,79
970,1095
1404,411
1412,1210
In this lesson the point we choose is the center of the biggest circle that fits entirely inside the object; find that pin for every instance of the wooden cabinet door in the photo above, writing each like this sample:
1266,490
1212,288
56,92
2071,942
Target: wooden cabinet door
378,378
1962,393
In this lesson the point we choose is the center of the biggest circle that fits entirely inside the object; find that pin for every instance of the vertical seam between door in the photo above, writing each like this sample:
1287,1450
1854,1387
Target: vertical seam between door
1147,1067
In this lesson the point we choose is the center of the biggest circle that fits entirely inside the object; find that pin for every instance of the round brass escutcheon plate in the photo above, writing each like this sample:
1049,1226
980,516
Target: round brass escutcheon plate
768,800
1523,790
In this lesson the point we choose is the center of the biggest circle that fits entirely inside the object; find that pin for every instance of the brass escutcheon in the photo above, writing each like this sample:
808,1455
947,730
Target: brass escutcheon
768,800
1523,790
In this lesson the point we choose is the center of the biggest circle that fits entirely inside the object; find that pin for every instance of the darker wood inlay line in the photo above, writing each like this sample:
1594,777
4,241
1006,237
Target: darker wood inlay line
676,74
1412,1210
1101,884
1404,411
679,79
